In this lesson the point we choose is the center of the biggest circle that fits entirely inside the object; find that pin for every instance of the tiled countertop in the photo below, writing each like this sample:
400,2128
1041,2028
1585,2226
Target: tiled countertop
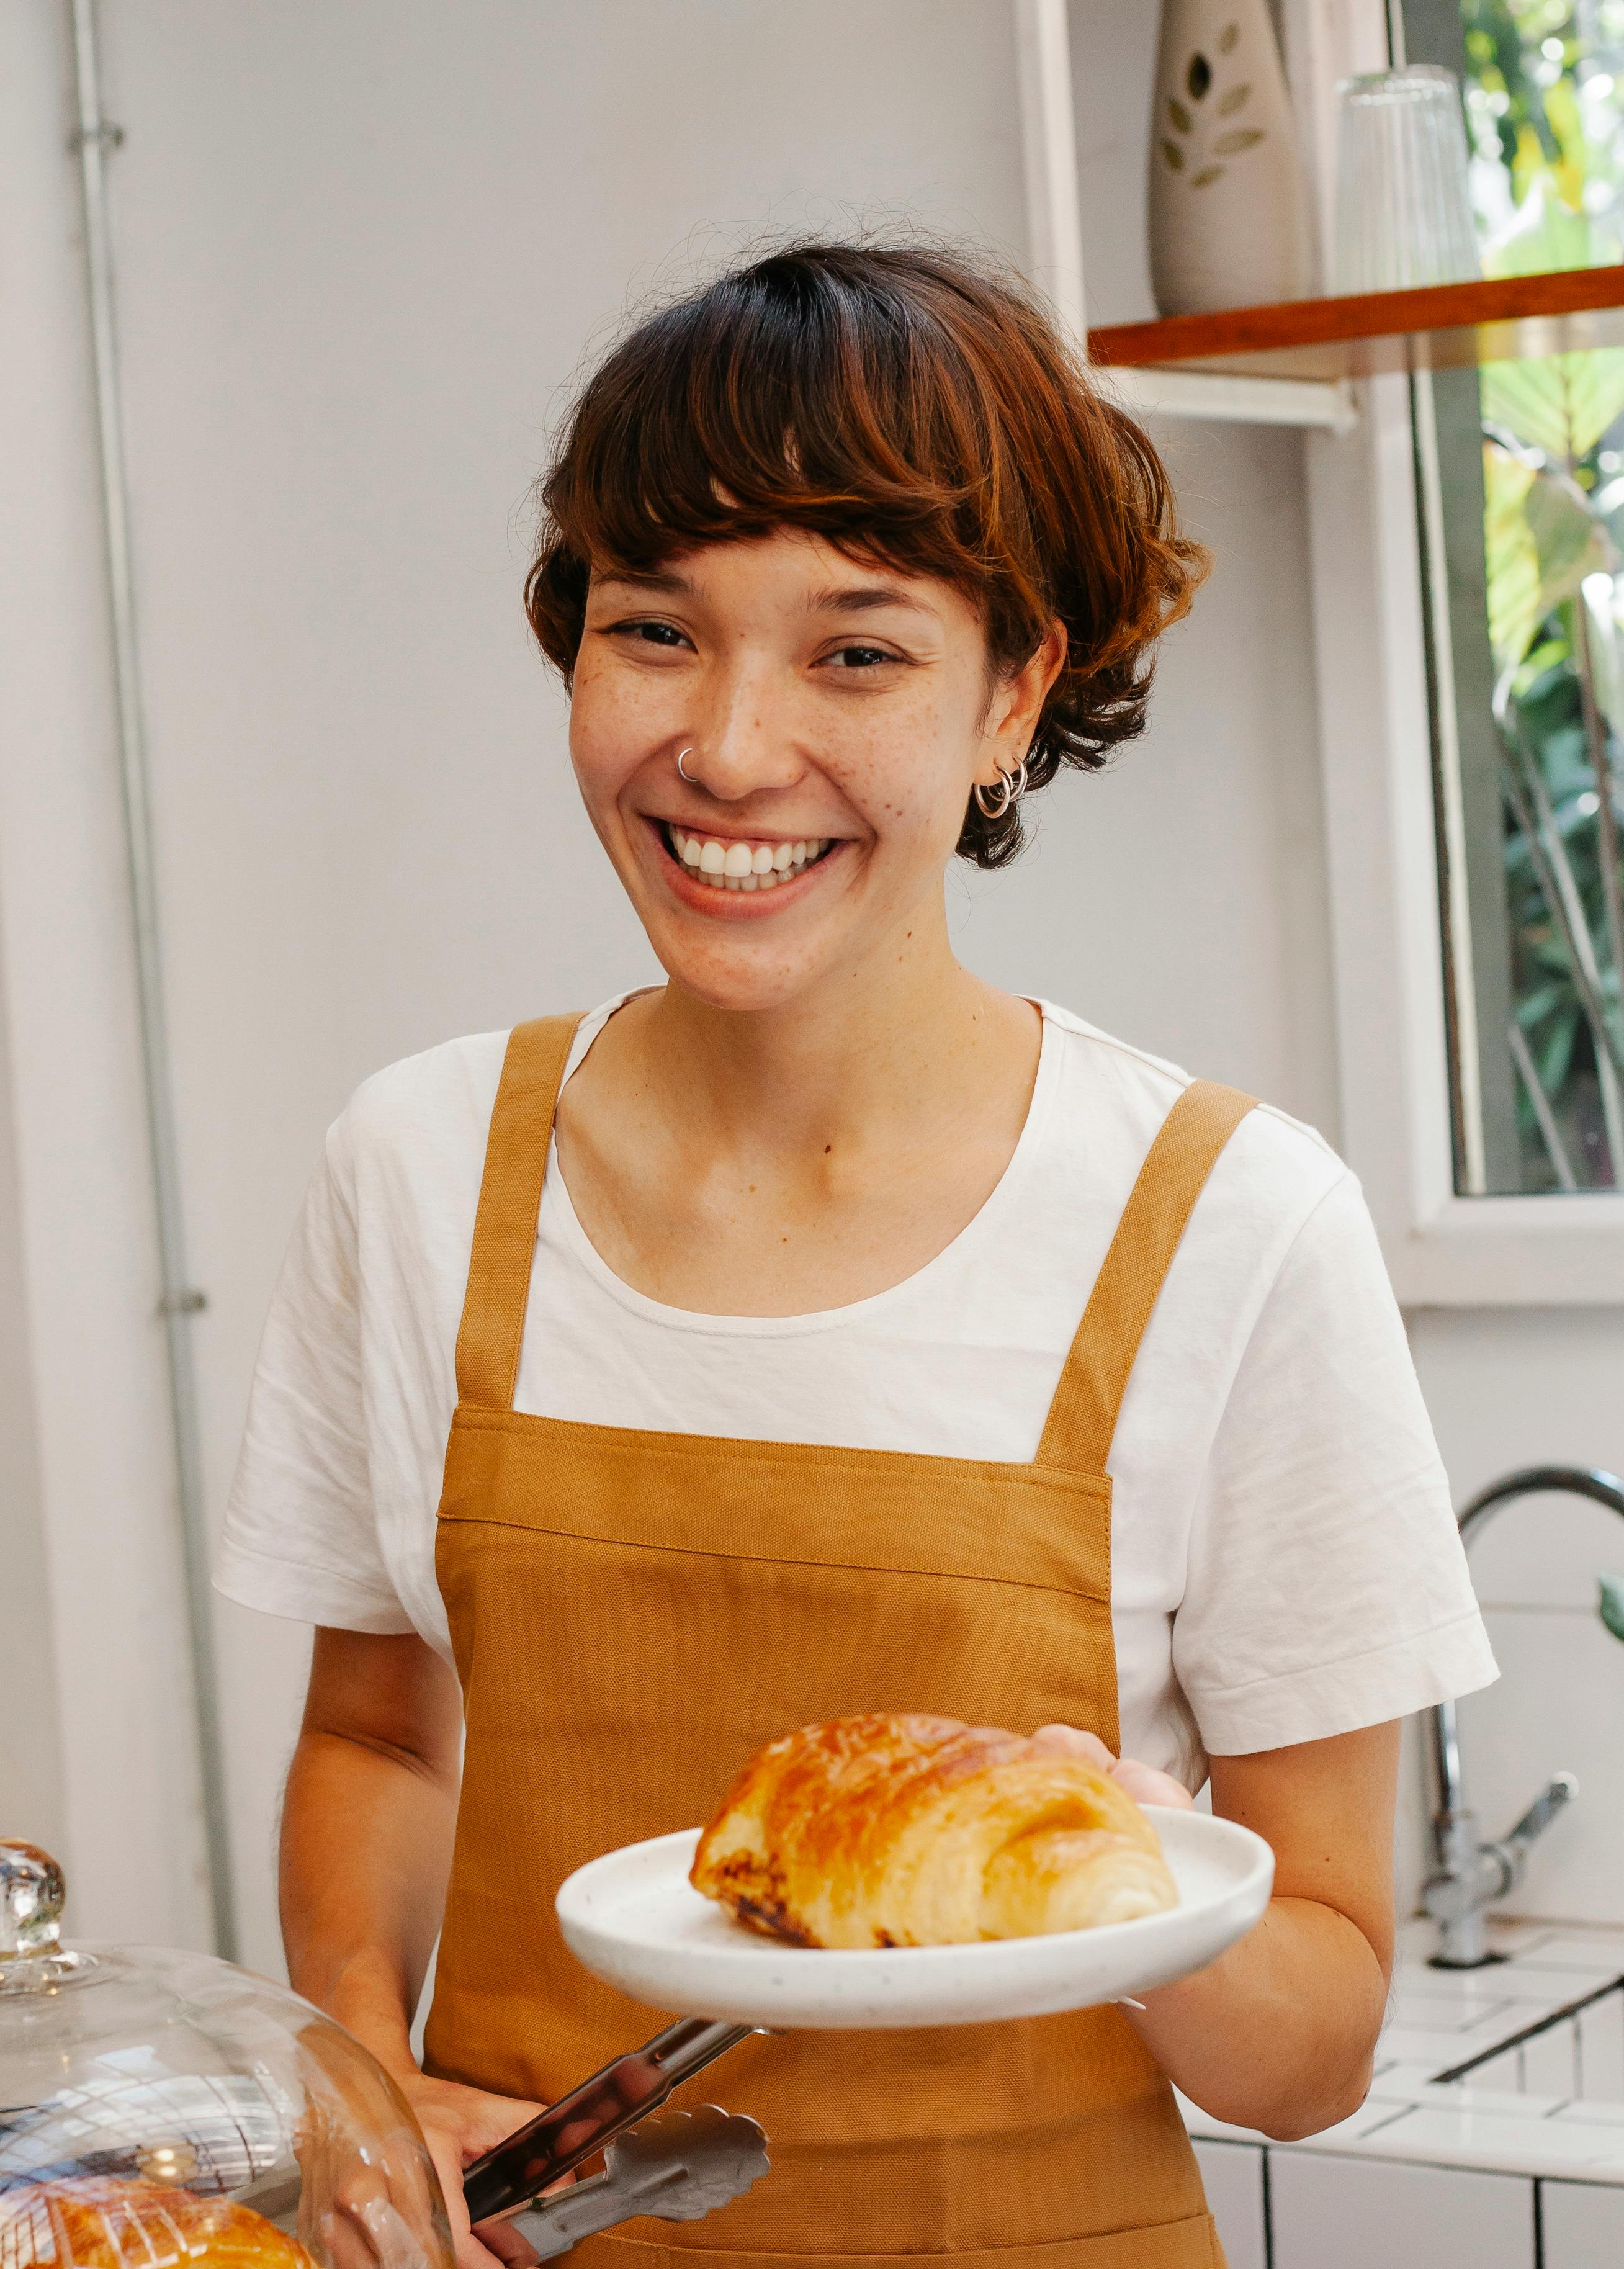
1555,2108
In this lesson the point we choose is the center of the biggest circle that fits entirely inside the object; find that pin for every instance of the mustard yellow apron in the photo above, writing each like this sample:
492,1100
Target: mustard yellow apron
634,1612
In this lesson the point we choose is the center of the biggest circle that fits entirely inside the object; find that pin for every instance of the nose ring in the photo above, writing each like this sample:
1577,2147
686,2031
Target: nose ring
682,768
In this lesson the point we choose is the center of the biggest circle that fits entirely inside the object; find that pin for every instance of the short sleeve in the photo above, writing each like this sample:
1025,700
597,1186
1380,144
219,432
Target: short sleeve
1327,1588
300,1537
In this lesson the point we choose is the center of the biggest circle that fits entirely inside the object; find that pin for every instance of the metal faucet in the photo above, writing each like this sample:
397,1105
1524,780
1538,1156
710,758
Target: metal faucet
1470,1874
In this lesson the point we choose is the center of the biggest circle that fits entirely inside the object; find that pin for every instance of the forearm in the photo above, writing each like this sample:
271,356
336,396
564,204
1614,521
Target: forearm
365,1854
367,1824
1279,2032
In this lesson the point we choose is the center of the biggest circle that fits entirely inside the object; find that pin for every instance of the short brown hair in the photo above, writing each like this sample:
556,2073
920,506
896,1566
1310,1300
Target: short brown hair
911,409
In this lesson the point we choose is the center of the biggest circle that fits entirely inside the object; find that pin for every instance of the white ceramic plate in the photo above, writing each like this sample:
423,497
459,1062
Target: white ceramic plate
633,1919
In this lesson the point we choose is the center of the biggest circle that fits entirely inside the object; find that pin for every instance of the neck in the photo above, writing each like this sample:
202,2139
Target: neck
909,1037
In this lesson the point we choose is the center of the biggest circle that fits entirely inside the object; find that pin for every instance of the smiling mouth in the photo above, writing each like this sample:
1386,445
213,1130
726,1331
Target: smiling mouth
740,866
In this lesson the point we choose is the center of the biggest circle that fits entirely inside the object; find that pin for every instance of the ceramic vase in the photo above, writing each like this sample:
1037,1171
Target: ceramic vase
1230,222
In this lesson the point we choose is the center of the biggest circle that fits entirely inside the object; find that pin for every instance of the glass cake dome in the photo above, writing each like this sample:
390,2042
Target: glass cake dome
158,2107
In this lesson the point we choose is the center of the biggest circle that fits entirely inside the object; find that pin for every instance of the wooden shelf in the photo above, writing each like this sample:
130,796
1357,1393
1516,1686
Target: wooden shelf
1445,327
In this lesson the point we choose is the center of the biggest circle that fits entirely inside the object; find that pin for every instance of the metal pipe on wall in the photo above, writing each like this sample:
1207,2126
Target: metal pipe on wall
178,1300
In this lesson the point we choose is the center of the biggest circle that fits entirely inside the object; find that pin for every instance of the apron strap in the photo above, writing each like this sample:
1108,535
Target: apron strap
510,1202
1082,1418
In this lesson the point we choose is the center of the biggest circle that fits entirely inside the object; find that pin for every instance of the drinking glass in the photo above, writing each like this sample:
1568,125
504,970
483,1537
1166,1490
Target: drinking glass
1403,203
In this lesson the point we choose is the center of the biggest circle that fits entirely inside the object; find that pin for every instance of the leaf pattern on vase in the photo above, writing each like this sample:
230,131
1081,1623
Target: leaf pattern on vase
1199,79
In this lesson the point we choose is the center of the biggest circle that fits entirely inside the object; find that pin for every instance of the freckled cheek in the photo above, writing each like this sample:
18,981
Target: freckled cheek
613,729
906,778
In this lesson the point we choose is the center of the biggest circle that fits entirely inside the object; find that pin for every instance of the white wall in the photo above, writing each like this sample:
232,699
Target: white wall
1508,1390
90,1540
360,253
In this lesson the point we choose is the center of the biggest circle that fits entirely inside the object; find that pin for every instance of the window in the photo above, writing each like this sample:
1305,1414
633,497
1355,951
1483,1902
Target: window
1520,490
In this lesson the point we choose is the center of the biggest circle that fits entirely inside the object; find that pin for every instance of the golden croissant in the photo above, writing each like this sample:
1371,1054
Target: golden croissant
107,2221
921,1831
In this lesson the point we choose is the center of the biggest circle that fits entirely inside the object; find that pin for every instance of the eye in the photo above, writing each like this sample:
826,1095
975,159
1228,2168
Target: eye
862,657
648,631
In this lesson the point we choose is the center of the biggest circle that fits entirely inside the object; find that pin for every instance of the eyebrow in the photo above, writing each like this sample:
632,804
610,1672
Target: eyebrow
865,598
844,599
649,578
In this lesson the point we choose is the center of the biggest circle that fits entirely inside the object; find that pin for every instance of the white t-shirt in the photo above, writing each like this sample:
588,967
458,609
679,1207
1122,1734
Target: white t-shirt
1285,1563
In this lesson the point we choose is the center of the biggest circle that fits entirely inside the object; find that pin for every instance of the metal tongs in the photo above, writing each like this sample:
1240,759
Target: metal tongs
677,2167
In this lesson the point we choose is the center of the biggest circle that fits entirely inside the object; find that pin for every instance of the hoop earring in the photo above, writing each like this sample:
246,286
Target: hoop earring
1011,788
682,769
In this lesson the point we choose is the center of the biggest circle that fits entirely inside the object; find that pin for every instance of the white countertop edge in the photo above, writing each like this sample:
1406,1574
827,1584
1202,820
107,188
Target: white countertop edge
1557,2147
1408,2115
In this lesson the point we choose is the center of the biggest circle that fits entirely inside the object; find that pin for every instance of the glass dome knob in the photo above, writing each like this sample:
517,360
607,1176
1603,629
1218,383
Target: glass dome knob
32,1893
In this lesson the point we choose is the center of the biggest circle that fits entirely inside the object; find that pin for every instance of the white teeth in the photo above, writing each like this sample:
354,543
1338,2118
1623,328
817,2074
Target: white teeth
744,866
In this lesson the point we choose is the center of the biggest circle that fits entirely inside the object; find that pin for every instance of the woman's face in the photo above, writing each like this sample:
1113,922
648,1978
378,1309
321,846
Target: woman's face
834,717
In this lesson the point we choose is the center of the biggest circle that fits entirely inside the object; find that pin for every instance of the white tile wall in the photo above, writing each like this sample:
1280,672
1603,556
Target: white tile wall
1446,2001
1570,1955
1549,2066
1508,1388
1558,1706
1233,2177
1442,2052
1592,2114
1328,2213
1581,2057
1582,2224
1495,2132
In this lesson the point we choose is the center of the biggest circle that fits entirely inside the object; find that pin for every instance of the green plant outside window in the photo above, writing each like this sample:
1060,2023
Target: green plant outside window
1529,484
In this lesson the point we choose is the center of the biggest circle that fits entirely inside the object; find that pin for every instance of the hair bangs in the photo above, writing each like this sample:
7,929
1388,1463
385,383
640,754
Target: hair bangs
765,405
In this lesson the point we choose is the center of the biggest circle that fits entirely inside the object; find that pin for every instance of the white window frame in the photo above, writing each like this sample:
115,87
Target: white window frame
1387,921
1376,737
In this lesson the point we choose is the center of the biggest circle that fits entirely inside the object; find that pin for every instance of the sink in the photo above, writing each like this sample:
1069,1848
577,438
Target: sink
1575,2053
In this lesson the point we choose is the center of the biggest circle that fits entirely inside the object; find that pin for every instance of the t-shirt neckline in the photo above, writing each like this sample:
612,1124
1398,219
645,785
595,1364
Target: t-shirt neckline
1004,1194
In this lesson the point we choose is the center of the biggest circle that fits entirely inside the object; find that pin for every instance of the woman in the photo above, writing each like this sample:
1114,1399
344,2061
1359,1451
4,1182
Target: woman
863,1337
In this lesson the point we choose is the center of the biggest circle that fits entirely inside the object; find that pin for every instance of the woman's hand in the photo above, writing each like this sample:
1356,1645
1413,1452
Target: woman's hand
1143,1783
364,2207
1279,2032
459,2126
